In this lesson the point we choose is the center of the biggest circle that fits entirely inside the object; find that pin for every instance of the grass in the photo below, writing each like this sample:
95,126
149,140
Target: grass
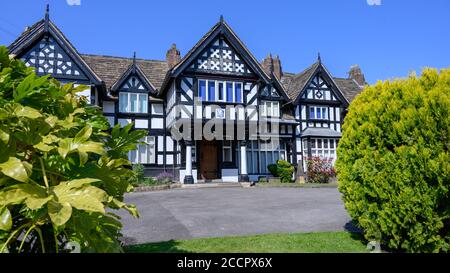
320,242
297,185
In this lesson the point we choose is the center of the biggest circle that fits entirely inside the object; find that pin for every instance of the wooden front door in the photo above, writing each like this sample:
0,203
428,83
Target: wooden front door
209,167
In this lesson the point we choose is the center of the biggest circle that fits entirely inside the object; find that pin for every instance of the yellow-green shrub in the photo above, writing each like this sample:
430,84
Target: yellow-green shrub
393,162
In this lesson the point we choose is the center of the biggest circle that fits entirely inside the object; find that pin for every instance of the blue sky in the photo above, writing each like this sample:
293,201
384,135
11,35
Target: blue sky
388,40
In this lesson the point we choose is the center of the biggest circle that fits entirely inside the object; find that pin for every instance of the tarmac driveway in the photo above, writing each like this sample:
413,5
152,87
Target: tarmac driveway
218,212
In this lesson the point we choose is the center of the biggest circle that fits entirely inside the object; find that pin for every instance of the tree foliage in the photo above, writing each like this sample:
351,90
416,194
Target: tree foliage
393,162
61,173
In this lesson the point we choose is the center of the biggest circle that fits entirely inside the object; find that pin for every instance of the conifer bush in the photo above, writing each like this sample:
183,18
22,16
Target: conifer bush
393,162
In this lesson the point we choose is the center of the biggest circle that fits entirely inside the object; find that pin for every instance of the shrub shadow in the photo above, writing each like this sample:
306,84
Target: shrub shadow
171,246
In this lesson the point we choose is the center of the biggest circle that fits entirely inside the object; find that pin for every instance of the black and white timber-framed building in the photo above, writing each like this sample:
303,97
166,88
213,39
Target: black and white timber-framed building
305,110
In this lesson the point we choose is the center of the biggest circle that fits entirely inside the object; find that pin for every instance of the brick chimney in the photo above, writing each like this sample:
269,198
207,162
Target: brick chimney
277,70
272,65
356,74
267,64
173,56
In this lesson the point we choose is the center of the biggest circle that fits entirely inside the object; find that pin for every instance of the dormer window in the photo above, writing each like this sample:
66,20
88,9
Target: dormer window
133,103
318,112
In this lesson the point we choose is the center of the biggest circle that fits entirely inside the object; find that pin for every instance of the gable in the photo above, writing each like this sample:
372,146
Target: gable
133,80
220,57
44,47
132,84
320,86
48,57
319,89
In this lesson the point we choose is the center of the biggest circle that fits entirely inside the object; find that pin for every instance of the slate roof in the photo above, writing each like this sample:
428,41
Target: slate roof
349,87
110,69
295,83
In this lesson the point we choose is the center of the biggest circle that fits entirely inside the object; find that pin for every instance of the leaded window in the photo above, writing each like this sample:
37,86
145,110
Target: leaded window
133,102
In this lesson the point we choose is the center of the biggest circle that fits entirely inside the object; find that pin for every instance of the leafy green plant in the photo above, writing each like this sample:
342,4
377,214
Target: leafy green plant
60,171
139,174
283,169
393,162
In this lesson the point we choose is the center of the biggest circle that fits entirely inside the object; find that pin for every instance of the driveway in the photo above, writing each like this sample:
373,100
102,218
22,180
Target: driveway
218,212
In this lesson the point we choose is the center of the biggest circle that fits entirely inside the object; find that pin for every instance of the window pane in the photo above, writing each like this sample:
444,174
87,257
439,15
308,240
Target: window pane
229,92
133,102
221,91
311,113
264,163
324,113
142,153
211,91
132,156
237,92
143,103
319,115
123,103
249,162
276,109
319,143
332,143
202,90
325,143
151,150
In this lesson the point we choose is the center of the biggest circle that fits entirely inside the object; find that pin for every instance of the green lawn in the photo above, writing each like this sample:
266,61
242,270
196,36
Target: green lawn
322,242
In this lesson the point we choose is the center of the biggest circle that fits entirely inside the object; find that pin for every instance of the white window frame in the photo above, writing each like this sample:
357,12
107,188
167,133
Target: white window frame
315,108
267,109
224,89
128,107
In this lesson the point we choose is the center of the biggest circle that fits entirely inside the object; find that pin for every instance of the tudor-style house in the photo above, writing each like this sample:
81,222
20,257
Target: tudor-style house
218,79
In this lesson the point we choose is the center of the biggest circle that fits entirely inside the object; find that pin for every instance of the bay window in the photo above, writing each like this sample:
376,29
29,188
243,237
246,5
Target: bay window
133,102
325,148
260,154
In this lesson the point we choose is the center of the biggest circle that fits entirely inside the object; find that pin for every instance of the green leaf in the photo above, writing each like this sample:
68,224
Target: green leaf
34,196
27,112
4,136
83,135
72,184
14,169
5,219
59,213
88,198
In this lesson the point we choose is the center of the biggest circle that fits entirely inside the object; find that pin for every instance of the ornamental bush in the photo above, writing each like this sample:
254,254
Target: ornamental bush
319,170
61,173
393,162
283,169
